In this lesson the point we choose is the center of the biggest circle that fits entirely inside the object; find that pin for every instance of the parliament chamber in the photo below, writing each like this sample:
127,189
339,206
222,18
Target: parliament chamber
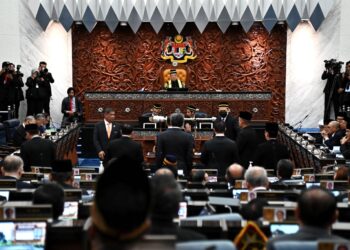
186,124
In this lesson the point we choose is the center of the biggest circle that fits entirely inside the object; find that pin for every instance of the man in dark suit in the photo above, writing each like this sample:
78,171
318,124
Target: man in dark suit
71,108
105,131
270,152
220,152
166,194
336,134
12,169
37,151
45,79
232,128
176,142
19,135
246,139
316,224
156,110
124,146
62,173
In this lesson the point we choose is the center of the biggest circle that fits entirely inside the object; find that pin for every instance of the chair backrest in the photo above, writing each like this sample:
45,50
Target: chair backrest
182,74
2,134
294,245
206,244
10,127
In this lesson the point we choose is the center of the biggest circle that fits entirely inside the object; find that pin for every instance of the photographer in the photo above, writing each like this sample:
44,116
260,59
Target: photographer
3,81
14,87
11,89
45,78
332,89
34,102
345,87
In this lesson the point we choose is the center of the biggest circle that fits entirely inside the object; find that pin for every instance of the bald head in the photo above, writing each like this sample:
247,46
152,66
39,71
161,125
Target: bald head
234,172
317,207
164,171
333,126
256,177
12,166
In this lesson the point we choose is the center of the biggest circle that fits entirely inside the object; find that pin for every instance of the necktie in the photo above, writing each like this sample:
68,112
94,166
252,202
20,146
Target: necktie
109,130
71,104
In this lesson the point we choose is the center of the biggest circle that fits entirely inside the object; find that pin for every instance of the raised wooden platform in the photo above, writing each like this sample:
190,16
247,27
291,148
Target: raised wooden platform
130,105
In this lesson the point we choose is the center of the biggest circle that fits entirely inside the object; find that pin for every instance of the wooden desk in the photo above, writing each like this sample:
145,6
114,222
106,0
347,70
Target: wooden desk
129,106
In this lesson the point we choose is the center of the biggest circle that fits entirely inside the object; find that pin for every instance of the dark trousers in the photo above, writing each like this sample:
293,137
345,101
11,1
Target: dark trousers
46,105
34,106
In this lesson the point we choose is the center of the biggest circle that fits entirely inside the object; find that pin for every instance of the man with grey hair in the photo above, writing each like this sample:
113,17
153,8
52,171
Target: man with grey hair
174,141
333,139
12,169
19,135
256,179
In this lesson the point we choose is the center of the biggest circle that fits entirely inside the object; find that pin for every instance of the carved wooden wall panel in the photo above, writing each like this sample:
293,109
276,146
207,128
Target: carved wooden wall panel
234,61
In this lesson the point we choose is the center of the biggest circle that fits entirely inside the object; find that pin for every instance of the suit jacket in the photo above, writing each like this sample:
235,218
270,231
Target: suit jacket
269,153
19,136
246,142
20,184
305,233
101,138
345,150
38,152
66,106
232,128
124,146
334,140
219,153
176,142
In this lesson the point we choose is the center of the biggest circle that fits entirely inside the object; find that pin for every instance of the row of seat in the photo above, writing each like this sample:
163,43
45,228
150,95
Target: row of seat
7,130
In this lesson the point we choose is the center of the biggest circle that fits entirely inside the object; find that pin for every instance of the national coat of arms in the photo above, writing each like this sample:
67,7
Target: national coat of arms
178,51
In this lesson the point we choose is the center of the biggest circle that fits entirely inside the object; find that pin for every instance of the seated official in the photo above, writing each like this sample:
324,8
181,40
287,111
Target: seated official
345,143
317,211
166,194
285,169
333,139
50,193
12,169
256,178
62,173
156,110
19,135
71,108
120,210
234,172
174,82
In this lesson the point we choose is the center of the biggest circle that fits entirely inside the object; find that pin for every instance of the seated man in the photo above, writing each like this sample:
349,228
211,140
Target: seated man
174,82
50,193
156,110
256,178
317,211
62,173
335,135
234,172
20,134
166,200
12,169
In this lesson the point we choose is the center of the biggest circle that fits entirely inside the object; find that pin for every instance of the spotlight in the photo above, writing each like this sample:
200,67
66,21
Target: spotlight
78,22
123,24
280,22
235,23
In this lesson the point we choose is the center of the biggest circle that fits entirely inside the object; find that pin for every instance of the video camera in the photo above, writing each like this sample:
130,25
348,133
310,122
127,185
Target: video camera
334,65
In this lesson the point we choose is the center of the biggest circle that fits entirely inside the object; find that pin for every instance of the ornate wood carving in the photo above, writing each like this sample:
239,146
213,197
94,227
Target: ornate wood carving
234,61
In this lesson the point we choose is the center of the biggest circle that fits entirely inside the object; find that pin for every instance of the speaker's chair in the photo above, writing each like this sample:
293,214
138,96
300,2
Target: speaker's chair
182,75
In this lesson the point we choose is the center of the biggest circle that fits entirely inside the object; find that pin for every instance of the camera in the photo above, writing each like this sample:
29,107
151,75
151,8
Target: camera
43,72
334,65
329,63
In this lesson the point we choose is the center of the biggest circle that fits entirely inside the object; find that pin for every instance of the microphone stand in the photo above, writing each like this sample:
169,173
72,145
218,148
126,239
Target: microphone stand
300,123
